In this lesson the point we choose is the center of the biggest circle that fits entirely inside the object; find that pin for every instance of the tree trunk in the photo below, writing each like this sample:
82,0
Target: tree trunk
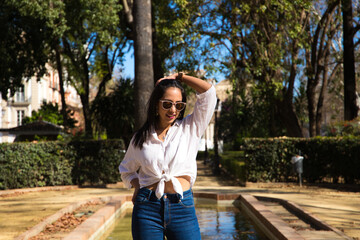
85,101
310,93
320,104
61,83
157,61
350,107
157,57
285,106
289,118
144,76
316,59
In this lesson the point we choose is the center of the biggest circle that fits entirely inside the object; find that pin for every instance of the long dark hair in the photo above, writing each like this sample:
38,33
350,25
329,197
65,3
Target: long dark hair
143,133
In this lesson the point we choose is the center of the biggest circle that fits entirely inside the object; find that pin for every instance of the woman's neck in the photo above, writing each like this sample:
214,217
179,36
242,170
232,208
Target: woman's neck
162,127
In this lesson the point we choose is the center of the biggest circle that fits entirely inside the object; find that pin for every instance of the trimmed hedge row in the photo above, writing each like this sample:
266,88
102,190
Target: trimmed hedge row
326,159
231,162
96,162
25,165
234,163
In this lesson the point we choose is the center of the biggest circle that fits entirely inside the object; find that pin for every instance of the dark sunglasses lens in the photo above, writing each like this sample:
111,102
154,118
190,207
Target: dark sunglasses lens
180,106
167,105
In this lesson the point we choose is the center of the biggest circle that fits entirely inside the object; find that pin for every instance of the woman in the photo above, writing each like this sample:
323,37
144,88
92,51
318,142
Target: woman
160,162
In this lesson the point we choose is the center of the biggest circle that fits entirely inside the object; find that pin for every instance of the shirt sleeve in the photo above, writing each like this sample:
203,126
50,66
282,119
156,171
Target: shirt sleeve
203,111
129,166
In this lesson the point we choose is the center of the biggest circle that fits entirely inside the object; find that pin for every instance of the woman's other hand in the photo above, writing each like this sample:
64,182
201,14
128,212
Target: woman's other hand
136,185
134,195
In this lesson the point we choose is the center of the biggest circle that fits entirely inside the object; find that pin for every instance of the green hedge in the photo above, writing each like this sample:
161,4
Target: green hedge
234,163
25,165
96,162
34,165
326,159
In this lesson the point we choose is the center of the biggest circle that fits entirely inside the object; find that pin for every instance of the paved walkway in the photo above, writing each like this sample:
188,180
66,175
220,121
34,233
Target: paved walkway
20,212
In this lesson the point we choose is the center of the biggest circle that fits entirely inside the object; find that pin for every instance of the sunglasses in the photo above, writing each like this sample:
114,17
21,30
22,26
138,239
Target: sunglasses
167,104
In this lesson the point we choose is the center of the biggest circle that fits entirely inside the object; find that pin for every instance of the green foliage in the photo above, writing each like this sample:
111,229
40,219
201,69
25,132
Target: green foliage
326,159
34,165
91,25
115,112
96,162
91,46
269,159
234,163
201,155
23,46
259,43
86,34
50,112
54,163
343,128
246,115
176,33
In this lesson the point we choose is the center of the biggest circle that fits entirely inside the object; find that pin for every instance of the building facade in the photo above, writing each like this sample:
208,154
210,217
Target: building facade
29,97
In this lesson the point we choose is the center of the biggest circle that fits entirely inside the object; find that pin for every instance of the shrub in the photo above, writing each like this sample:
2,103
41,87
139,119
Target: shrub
96,162
59,163
234,163
325,159
34,165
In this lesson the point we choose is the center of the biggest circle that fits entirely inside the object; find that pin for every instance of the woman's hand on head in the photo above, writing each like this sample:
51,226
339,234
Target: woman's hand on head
172,76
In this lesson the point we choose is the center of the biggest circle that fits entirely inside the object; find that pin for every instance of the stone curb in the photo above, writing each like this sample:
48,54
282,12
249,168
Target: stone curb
41,226
305,215
101,220
271,224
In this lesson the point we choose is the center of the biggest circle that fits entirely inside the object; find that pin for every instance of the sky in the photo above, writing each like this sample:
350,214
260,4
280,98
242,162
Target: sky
129,65
129,68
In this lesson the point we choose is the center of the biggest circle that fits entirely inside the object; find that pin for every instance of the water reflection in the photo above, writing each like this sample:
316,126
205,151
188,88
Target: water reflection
216,222
225,223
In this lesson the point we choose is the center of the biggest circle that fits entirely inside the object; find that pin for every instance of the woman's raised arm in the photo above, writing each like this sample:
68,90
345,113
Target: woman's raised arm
197,84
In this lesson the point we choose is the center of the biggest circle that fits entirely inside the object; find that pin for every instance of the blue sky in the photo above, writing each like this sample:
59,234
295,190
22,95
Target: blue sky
129,65
129,68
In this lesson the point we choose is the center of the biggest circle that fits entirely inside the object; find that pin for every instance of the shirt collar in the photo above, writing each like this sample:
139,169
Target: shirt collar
176,123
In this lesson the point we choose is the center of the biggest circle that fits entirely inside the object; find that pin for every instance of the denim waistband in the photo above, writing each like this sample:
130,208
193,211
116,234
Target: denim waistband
173,197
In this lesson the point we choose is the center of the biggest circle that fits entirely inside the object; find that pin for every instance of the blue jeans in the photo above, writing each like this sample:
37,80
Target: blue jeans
169,216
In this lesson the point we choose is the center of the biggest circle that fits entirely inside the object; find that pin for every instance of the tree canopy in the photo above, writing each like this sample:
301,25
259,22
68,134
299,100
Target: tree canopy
283,57
50,112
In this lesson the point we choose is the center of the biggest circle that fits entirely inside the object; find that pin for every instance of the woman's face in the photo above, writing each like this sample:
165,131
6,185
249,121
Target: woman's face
167,117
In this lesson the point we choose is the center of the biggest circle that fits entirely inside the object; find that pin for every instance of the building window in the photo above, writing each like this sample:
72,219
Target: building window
20,95
20,116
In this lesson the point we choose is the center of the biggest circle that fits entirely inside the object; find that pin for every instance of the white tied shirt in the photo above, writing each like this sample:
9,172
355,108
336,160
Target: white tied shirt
161,161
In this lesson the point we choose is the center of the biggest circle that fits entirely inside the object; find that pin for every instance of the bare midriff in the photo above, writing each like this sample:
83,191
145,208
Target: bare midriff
184,181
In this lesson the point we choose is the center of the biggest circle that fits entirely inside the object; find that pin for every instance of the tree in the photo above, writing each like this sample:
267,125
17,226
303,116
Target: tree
322,63
76,32
175,36
50,113
350,106
244,116
40,24
23,47
144,76
91,27
114,112
263,40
